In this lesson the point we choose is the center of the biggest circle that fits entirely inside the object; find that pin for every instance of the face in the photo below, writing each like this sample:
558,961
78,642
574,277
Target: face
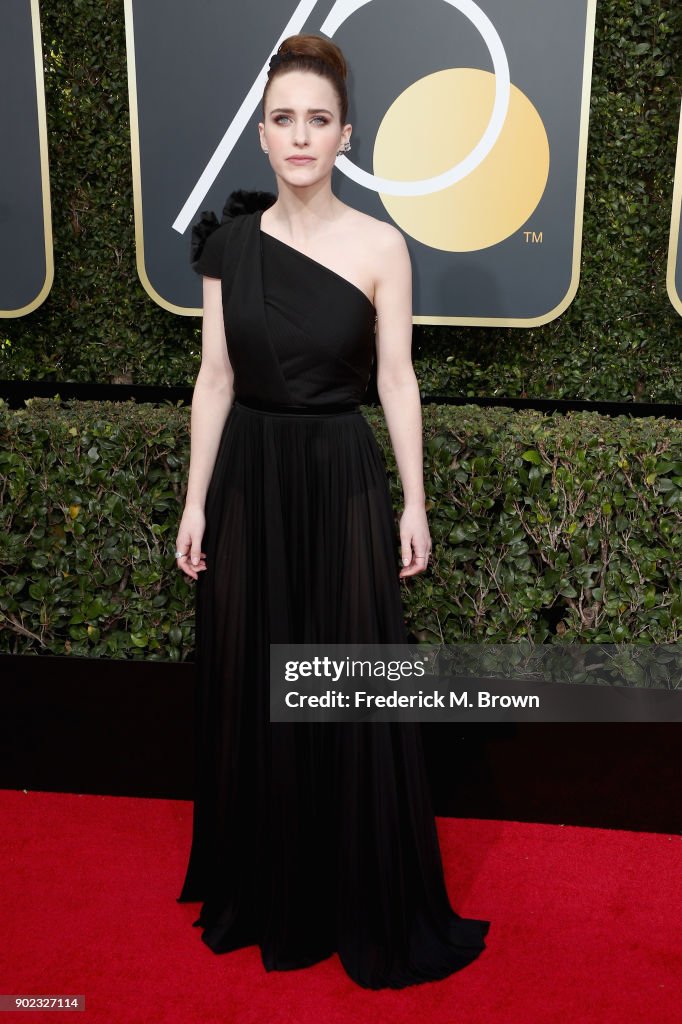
302,120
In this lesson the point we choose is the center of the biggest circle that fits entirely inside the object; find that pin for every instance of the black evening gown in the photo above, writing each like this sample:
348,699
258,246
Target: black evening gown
308,838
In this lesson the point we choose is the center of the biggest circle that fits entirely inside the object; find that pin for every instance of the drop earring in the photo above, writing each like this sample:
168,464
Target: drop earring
344,149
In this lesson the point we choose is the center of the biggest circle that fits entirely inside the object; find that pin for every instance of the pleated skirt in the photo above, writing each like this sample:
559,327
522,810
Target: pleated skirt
309,838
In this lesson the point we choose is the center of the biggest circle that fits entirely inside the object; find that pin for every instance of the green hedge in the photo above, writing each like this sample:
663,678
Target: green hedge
549,528
619,339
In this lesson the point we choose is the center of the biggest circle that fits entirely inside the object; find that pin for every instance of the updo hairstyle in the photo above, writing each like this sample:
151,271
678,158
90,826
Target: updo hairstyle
312,53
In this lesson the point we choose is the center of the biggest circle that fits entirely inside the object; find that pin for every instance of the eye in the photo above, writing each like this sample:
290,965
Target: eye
318,117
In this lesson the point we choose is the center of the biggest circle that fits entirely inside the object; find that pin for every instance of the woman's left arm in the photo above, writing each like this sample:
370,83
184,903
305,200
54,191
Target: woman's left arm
399,393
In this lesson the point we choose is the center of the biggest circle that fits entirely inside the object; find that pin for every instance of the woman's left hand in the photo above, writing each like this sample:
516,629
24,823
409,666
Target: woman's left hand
415,540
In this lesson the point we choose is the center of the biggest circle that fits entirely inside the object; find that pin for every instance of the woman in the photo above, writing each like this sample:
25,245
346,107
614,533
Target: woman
309,838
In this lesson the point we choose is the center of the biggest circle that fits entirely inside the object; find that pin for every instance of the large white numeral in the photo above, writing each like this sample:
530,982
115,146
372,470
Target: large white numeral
339,13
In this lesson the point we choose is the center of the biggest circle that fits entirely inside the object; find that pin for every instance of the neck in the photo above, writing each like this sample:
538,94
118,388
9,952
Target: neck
303,211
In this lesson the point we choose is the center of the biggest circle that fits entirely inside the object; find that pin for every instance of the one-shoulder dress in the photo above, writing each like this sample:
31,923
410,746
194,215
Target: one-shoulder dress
309,838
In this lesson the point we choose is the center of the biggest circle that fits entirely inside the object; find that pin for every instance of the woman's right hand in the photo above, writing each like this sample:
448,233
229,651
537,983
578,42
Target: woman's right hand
188,541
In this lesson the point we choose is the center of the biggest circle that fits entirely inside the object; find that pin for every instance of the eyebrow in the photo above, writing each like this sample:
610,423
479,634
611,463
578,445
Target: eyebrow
289,110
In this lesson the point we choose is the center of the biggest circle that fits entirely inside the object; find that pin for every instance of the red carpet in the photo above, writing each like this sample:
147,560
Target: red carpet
585,926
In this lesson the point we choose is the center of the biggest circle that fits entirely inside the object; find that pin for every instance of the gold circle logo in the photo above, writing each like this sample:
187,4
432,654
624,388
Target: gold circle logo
431,126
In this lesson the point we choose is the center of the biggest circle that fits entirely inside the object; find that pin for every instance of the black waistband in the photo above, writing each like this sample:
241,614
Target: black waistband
328,409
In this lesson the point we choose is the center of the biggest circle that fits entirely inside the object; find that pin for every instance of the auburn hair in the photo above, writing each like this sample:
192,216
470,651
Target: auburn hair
312,53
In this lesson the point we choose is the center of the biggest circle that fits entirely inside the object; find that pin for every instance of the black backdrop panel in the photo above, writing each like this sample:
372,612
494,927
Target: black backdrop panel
26,267
675,250
197,73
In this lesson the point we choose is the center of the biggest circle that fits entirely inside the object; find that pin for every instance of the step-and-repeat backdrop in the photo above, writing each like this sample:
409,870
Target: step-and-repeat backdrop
470,128
469,133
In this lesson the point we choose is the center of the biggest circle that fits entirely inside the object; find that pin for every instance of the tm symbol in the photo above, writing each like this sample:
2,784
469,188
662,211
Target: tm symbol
533,237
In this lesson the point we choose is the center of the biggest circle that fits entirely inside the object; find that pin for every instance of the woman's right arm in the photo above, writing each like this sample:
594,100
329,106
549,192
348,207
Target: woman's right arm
211,401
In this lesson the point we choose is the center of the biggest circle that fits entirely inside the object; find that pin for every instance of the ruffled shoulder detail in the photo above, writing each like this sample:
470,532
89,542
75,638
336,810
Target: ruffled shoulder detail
243,201
239,203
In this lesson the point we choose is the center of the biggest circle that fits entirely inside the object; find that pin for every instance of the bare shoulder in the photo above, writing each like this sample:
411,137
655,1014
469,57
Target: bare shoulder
376,256
376,236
